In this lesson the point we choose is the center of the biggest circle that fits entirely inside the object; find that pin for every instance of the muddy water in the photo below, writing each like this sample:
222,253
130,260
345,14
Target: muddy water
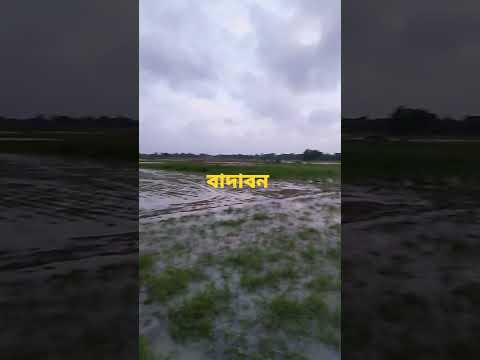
183,222
411,276
165,194
68,254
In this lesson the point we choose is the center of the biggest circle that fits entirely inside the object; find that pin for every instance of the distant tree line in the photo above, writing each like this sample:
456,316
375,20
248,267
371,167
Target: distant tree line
413,121
307,155
62,122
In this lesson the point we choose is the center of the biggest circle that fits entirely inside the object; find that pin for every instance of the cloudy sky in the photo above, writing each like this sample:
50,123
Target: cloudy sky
239,76
416,53
71,57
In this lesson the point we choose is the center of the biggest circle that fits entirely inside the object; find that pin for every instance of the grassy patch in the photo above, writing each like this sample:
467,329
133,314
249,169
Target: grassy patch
194,318
287,314
232,222
176,250
146,262
334,253
207,259
308,233
144,352
330,336
260,216
246,259
251,281
324,283
276,171
170,282
317,308
294,316
309,253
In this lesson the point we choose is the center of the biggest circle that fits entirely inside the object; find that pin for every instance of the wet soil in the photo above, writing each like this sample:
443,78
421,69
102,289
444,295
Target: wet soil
411,275
273,251
68,259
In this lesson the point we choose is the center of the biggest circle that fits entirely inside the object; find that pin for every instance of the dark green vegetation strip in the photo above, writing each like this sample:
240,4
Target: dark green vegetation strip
294,315
144,352
194,318
309,316
363,160
324,283
146,263
170,282
109,144
276,171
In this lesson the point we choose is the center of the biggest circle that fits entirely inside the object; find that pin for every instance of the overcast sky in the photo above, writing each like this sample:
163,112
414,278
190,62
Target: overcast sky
71,57
414,53
239,76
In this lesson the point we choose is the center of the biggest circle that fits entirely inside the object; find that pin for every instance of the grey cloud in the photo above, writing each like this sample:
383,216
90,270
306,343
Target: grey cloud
70,58
175,66
262,96
218,78
412,53
322,117
176,47
179,69
302,67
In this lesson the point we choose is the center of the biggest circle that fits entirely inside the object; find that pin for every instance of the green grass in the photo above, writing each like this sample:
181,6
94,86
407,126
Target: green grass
276,171
232,222
253,281
146,262
169,283
144,351
364,160
317,307
324,283
247,259
330,336
334,253
194,318
308,233
309,253
294,316
286,313
260,216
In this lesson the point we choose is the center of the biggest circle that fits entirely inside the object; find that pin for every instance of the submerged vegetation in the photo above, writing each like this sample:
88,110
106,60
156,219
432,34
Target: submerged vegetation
144,351
146,263
194,318
252,280
269,287
170,282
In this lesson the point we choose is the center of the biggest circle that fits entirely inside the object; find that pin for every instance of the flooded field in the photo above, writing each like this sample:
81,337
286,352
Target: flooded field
68,258
411,276
239,274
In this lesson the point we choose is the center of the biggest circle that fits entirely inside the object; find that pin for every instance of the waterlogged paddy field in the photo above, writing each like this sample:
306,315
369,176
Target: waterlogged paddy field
411,276
68,258
239,274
